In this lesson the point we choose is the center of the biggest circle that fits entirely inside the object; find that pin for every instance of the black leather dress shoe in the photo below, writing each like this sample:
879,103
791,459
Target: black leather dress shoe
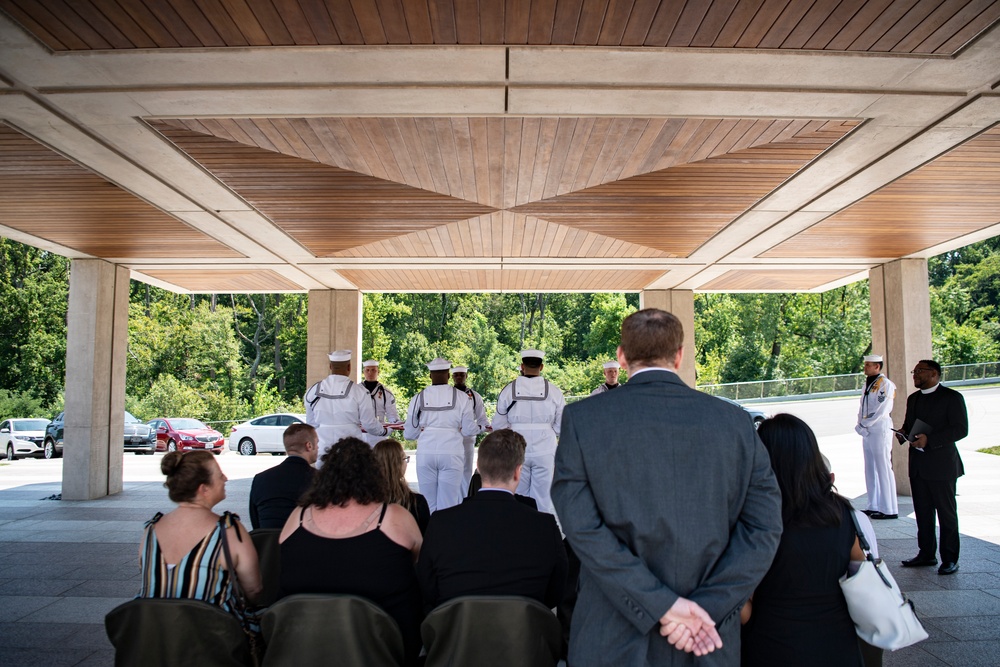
876,516
920,561
948,568
869,512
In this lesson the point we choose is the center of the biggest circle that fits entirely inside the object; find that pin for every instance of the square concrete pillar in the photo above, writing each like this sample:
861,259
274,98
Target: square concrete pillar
681,304
901,333
334,323
96,340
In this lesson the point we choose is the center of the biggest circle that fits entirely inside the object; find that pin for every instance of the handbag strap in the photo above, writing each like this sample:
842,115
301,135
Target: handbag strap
867,549
237,589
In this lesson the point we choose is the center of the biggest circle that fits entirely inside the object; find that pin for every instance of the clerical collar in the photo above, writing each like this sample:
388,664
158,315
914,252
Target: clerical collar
931,390
370,385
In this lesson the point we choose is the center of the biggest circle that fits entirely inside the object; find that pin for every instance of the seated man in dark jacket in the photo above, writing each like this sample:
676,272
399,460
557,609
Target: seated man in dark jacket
491,544
275,492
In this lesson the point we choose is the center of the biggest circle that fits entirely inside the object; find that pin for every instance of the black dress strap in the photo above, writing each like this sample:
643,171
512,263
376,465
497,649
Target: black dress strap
381,516
302,515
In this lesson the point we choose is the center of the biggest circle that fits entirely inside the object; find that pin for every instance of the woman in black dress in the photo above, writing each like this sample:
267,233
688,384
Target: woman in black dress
392,461
347,539
798,615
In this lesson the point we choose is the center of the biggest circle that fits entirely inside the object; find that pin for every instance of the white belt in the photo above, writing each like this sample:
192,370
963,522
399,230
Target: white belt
528,426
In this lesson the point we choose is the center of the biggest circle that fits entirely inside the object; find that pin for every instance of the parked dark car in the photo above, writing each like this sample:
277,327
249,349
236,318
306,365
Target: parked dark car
139,437
183,434
756,415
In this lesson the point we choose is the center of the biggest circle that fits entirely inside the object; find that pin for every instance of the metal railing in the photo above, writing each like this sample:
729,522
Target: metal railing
841,384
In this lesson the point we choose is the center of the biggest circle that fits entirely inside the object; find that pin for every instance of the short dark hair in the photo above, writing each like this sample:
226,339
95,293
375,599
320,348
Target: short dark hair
532,362
500,454
651,335
935,366
186,471
349,472
297,435
340,367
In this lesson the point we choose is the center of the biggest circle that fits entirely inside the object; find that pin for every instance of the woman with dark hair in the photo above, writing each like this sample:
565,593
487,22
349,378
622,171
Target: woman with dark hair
798,615
347,539
181,554
392,462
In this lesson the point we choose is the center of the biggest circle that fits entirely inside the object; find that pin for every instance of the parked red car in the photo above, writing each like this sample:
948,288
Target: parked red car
183,434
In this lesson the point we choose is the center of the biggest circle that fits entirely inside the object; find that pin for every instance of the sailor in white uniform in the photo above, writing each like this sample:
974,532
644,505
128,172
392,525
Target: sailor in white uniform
439,417
384,400
459,375
611,370
337,407
533,406
875,428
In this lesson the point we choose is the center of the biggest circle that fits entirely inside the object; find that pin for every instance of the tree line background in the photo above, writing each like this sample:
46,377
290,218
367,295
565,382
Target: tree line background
229,357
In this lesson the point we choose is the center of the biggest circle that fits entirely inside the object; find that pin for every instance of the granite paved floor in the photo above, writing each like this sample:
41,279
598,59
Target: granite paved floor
64,565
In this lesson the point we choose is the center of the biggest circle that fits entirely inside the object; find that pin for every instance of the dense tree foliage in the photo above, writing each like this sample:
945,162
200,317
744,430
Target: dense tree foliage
224,356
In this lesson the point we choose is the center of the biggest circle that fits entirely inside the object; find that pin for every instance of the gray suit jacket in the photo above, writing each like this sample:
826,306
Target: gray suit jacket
662,491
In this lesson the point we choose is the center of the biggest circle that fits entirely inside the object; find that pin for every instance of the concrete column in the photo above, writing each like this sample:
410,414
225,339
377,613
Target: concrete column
96,340
680,302
334,318
901,332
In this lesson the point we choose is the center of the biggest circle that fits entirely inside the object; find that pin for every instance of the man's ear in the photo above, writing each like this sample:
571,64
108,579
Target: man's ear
517,475
678,357
622,361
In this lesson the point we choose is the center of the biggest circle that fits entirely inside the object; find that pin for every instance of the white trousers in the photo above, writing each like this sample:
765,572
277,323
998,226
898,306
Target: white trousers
536,479
470,458
439,477
879,478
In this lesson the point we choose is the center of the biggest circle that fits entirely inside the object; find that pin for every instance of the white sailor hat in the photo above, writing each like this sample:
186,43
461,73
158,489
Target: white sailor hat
532,354
460,369
612,364
370,362
874,357
340,355
439,364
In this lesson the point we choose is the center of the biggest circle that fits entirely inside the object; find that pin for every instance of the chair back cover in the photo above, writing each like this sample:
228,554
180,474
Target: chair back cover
491,630
155,632
265,540
314,629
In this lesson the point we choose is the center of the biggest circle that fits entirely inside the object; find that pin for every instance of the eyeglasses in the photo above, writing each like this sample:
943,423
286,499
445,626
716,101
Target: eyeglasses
918,371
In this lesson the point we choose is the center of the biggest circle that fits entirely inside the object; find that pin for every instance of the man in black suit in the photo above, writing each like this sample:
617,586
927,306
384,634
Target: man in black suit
492,544
935,465
275,492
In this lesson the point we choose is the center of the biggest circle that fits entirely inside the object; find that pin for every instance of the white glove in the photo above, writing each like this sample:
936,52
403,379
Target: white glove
861,430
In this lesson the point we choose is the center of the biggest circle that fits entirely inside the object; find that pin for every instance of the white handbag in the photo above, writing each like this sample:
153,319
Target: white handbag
882,615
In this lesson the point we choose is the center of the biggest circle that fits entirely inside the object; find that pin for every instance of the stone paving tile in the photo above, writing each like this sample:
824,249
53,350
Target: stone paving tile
967,580
89,635
967,653
109,573
971,628
935,604
99,658
37,586
75,610
110,588
52,657
33,635
17,607
913,656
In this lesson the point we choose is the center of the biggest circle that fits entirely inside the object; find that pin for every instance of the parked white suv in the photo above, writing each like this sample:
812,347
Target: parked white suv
23,437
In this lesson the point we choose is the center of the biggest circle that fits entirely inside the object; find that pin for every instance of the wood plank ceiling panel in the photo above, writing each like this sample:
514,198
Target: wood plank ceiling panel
225,280
773,279
327,209
885,26
954,194
677,209
513,280
48,196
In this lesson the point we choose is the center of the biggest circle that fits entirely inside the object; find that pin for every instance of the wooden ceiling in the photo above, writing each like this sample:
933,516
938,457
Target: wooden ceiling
886,26
542,145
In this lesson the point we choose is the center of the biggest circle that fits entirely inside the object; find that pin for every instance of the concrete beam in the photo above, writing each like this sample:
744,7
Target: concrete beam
334,323
681,304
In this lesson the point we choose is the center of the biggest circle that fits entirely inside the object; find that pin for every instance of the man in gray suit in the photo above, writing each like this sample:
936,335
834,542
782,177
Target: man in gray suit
668,497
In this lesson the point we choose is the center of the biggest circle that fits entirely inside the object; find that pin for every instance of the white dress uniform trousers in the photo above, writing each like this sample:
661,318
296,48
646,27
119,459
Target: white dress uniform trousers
439,417
469,441
875,428
533,407
338,408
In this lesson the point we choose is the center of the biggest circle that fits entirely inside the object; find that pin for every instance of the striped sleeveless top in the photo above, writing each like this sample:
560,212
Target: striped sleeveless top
200,575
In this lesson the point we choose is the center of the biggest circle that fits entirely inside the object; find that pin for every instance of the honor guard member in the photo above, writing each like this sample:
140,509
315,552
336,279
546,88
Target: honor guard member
338,408
875,428
459,374
439,417
611,370
533,406
384,400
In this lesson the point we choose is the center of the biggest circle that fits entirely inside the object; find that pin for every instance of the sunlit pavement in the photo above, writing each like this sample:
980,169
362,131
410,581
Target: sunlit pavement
64,564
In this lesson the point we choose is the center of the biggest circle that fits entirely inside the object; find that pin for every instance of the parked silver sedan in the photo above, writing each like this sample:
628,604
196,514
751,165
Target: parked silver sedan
262,434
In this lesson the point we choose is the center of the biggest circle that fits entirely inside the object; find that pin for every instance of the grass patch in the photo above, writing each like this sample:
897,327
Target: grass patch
990,450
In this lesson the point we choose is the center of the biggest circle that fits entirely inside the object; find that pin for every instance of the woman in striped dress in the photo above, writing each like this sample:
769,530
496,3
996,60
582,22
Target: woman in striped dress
181,554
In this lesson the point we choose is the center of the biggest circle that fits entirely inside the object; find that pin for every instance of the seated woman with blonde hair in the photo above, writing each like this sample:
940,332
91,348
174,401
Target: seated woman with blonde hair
182,553
392,461
347,539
